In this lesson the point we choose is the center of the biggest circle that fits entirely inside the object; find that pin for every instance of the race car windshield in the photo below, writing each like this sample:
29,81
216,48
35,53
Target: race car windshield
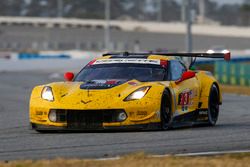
140,72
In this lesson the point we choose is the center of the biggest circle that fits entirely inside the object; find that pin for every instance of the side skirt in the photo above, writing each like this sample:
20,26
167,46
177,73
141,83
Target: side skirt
197,117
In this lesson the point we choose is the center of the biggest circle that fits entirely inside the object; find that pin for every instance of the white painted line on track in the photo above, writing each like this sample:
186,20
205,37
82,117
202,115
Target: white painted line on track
106,159
214,153
209,153
235,94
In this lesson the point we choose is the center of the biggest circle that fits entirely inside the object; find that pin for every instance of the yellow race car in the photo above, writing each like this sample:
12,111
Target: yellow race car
129,91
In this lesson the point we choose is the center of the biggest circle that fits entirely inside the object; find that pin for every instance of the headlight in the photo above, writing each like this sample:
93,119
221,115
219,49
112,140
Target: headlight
138,94
47,93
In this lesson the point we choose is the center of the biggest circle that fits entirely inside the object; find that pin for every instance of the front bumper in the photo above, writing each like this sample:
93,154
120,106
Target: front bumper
149,126
89,120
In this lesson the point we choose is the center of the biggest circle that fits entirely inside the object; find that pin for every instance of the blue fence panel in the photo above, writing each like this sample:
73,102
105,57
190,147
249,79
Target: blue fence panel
234,73
25,56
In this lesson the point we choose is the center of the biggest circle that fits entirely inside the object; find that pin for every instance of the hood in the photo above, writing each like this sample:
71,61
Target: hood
94,90
99,95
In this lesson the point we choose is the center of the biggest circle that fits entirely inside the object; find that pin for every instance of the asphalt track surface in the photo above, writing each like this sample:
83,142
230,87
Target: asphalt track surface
17,141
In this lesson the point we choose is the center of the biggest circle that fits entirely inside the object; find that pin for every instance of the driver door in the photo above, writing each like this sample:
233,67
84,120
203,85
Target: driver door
186,91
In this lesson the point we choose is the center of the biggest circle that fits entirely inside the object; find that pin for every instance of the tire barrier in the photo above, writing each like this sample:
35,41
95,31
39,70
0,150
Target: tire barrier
234,73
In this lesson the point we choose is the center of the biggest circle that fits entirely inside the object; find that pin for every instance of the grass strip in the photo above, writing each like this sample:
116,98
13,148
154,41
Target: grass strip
141,159
243,90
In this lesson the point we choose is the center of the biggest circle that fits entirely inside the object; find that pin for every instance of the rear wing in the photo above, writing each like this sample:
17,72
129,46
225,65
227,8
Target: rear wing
225,56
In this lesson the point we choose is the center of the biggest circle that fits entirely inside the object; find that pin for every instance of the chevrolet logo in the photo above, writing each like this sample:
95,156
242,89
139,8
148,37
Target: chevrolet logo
85,102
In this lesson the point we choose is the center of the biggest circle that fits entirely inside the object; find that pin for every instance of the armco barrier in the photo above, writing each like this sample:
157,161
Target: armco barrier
232,73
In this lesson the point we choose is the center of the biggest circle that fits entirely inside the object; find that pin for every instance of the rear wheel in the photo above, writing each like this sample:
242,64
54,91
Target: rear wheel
213,107
166,115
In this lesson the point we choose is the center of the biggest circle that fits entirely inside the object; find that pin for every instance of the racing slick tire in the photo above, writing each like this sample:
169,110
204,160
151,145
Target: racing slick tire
166,114
213,106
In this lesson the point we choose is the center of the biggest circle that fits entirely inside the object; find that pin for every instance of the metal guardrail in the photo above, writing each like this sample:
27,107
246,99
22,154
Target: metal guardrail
234,73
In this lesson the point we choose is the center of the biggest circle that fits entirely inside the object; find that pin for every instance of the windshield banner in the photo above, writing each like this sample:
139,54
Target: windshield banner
134,61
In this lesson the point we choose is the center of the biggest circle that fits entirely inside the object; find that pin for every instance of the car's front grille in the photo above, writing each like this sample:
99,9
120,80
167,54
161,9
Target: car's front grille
87,119
84,119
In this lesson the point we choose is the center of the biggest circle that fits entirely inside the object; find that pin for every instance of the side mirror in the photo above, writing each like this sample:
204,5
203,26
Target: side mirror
186,75
69,76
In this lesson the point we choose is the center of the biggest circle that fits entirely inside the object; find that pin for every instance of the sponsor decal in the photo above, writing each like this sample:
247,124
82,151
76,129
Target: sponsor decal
133,83
203,115
133,61
164,63
91,62
101,84
131,114
142,113
111,82
185,99
39,112
203,112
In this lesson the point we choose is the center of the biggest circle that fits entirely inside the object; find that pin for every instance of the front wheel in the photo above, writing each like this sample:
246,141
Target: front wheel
213,107
166,114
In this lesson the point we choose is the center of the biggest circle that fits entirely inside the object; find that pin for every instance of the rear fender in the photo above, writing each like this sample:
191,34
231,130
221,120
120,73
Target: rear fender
206,81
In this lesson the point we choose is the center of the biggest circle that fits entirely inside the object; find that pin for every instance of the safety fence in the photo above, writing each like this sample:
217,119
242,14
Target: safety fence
233,73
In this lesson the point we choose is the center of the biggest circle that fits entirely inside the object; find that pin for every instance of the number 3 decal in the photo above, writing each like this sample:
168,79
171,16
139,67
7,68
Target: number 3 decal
184,98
